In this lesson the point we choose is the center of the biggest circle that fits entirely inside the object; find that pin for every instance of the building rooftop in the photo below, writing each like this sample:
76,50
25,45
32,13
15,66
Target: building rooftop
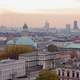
29,54
6,61
22,41
70,64
73,46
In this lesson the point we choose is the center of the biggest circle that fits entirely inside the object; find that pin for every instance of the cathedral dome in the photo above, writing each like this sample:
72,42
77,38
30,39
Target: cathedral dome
25,26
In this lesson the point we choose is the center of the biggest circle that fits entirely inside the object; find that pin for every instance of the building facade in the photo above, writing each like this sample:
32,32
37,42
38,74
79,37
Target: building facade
11,69
41,58
68,73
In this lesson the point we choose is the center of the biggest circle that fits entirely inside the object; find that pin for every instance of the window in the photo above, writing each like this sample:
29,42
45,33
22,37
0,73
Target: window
62,72
73,74
68,73
59,72
77,75
79,65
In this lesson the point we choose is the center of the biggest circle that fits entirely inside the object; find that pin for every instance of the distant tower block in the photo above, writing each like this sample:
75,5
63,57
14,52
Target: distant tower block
68,28
75,26
46,26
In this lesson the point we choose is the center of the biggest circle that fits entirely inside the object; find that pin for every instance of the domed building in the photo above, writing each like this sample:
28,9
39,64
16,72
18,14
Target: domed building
25,31
22,41
25,27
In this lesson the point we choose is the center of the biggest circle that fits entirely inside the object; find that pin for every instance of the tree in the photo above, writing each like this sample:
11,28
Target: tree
52,48
47,75
3,55
14,50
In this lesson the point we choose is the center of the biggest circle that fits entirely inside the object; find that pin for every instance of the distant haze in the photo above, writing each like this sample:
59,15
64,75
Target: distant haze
35,12
36,20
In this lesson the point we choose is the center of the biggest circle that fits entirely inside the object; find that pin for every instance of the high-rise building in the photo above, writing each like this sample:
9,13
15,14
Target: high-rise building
75,26
46,26
68,28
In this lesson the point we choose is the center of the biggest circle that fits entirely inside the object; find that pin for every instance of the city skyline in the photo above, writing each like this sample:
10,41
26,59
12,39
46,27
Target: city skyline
35,12
38,20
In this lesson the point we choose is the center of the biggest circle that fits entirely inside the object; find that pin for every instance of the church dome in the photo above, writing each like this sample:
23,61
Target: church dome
25,26
22,41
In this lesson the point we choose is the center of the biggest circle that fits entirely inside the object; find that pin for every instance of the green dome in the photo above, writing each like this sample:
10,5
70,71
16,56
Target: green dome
22,41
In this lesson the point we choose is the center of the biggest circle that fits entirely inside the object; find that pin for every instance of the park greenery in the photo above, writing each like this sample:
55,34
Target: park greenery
14,51
52,48
47,75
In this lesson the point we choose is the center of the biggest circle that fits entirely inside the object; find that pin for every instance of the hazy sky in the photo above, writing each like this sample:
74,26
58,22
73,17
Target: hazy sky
35,12
37,5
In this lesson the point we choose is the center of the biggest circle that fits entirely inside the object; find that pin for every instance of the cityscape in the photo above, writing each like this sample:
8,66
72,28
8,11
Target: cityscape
63,56
39,40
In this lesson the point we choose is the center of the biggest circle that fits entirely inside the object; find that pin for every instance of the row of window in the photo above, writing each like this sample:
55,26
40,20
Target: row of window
74,74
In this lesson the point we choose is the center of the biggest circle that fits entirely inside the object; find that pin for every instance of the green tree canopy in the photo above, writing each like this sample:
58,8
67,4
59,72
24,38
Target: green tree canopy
47,75
52,48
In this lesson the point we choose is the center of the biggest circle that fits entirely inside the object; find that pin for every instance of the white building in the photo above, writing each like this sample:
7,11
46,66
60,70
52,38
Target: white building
10,69
46,59
42,58
30,58
66,68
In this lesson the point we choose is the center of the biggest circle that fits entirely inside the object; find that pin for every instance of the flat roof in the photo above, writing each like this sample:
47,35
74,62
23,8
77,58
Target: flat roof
6,61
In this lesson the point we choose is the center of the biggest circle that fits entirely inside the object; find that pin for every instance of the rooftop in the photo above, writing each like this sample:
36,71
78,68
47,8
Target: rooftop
68,65
22,41
6,61
73,46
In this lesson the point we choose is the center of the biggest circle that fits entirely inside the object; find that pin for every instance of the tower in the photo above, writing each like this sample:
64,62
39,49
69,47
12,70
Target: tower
75,26
46,26
68,28
25,31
